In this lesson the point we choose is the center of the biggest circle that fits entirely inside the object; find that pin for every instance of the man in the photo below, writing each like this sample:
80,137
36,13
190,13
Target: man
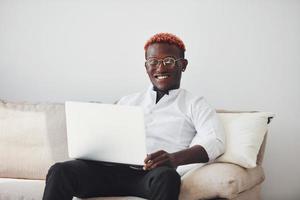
180,129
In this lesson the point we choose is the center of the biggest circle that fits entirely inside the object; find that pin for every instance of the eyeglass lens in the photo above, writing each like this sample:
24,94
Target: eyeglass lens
168,62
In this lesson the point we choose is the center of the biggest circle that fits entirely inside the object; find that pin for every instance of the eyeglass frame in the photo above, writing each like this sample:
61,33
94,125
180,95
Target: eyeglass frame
162,61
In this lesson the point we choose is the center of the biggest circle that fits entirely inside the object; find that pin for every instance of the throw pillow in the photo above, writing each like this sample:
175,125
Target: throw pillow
32,138
244,135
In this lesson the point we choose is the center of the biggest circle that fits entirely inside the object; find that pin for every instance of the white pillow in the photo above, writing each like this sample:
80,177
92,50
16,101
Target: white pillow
244,135
32,138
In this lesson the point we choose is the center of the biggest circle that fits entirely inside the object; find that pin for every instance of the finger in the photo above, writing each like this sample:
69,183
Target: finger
146,168
148,164
157,153
160,157
148,157
156,160
164,162
153,155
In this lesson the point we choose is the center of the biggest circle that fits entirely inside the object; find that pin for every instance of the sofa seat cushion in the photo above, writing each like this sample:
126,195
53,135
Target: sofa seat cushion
21,189
111,198
24,189
219,180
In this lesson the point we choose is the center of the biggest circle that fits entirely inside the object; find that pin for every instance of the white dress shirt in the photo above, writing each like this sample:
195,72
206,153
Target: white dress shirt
178,121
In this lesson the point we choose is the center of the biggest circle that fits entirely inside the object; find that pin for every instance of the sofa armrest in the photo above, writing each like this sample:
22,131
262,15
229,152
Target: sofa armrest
260,155
219,180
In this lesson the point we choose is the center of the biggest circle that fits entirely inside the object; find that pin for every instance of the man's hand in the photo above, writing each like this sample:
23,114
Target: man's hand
159,158
194,154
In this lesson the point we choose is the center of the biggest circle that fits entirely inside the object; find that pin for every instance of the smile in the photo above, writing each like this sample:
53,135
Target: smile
161,77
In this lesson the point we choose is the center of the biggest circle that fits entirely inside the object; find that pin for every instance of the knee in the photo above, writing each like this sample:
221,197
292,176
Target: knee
57,170
57,167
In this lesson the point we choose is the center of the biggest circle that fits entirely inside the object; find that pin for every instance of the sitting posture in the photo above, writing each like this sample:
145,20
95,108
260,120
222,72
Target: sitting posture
181,129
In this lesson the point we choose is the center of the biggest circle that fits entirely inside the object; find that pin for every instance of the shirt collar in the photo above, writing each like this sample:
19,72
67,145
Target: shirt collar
172,92
162,92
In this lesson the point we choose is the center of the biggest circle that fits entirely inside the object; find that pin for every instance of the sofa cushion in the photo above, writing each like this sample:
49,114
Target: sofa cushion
244,135
219,180
21,189
111,198
32,138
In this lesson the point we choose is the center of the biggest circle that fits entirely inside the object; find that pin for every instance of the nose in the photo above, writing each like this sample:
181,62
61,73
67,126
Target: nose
161,66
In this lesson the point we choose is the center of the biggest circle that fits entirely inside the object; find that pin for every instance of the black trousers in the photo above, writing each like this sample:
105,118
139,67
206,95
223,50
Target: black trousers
85,179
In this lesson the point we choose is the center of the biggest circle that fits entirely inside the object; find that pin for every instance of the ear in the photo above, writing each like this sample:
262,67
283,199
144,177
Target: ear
184,64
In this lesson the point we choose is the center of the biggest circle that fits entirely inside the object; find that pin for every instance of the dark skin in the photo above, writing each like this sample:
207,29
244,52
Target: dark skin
194,154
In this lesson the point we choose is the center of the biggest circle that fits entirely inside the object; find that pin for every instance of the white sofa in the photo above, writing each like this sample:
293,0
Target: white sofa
33,137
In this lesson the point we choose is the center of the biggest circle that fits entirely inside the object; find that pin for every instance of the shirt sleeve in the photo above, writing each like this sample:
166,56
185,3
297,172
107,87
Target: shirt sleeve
209,130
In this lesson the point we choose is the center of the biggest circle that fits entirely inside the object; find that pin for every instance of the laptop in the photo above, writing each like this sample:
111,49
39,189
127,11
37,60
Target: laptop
105,132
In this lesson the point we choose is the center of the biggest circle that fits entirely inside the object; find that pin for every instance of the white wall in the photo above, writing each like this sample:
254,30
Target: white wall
243,55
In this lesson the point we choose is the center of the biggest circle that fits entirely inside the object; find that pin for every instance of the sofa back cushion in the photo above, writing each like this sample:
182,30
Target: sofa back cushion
32,138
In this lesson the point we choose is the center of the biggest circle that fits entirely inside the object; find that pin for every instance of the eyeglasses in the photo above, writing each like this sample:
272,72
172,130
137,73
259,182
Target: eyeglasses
169,62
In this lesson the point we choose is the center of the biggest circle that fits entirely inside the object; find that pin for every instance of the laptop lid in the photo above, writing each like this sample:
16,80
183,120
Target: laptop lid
105,132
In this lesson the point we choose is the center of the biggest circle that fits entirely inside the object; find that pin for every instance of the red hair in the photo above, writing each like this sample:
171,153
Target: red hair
165,38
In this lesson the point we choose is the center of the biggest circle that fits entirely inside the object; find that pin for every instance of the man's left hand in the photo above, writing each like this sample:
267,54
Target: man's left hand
159,158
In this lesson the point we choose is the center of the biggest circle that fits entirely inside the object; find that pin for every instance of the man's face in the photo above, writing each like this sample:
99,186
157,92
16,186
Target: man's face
162,77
